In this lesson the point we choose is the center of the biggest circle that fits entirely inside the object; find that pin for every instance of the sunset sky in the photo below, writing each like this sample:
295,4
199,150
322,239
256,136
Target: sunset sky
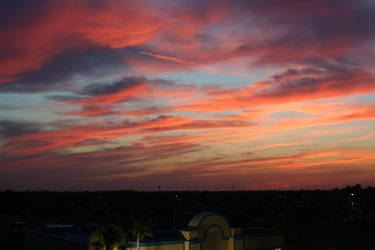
188,95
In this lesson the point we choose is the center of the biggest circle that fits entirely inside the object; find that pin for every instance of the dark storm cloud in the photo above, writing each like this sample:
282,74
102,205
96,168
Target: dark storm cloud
323,18
295,73
61,71
314,83
311,29
11,10
14,128
105,89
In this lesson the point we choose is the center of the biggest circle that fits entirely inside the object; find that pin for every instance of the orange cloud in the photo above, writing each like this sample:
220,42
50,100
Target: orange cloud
359,112
59,27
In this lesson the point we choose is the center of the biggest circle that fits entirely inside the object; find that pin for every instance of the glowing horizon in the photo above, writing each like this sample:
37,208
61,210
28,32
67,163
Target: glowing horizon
187,95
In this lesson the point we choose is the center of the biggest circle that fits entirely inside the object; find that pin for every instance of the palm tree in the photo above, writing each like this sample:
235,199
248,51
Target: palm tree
140,230
110,238
98,245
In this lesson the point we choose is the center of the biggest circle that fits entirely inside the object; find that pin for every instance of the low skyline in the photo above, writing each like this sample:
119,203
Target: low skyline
188,95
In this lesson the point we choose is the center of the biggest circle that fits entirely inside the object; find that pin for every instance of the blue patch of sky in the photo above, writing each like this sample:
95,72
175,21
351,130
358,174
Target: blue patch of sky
288,114
204,78
364,98
27,115
15,100
242,75
26,107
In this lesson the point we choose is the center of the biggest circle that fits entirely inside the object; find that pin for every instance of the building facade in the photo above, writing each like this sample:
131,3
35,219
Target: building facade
205,231
212,231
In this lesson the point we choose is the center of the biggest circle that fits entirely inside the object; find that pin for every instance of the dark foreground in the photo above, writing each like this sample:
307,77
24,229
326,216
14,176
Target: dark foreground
329,219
